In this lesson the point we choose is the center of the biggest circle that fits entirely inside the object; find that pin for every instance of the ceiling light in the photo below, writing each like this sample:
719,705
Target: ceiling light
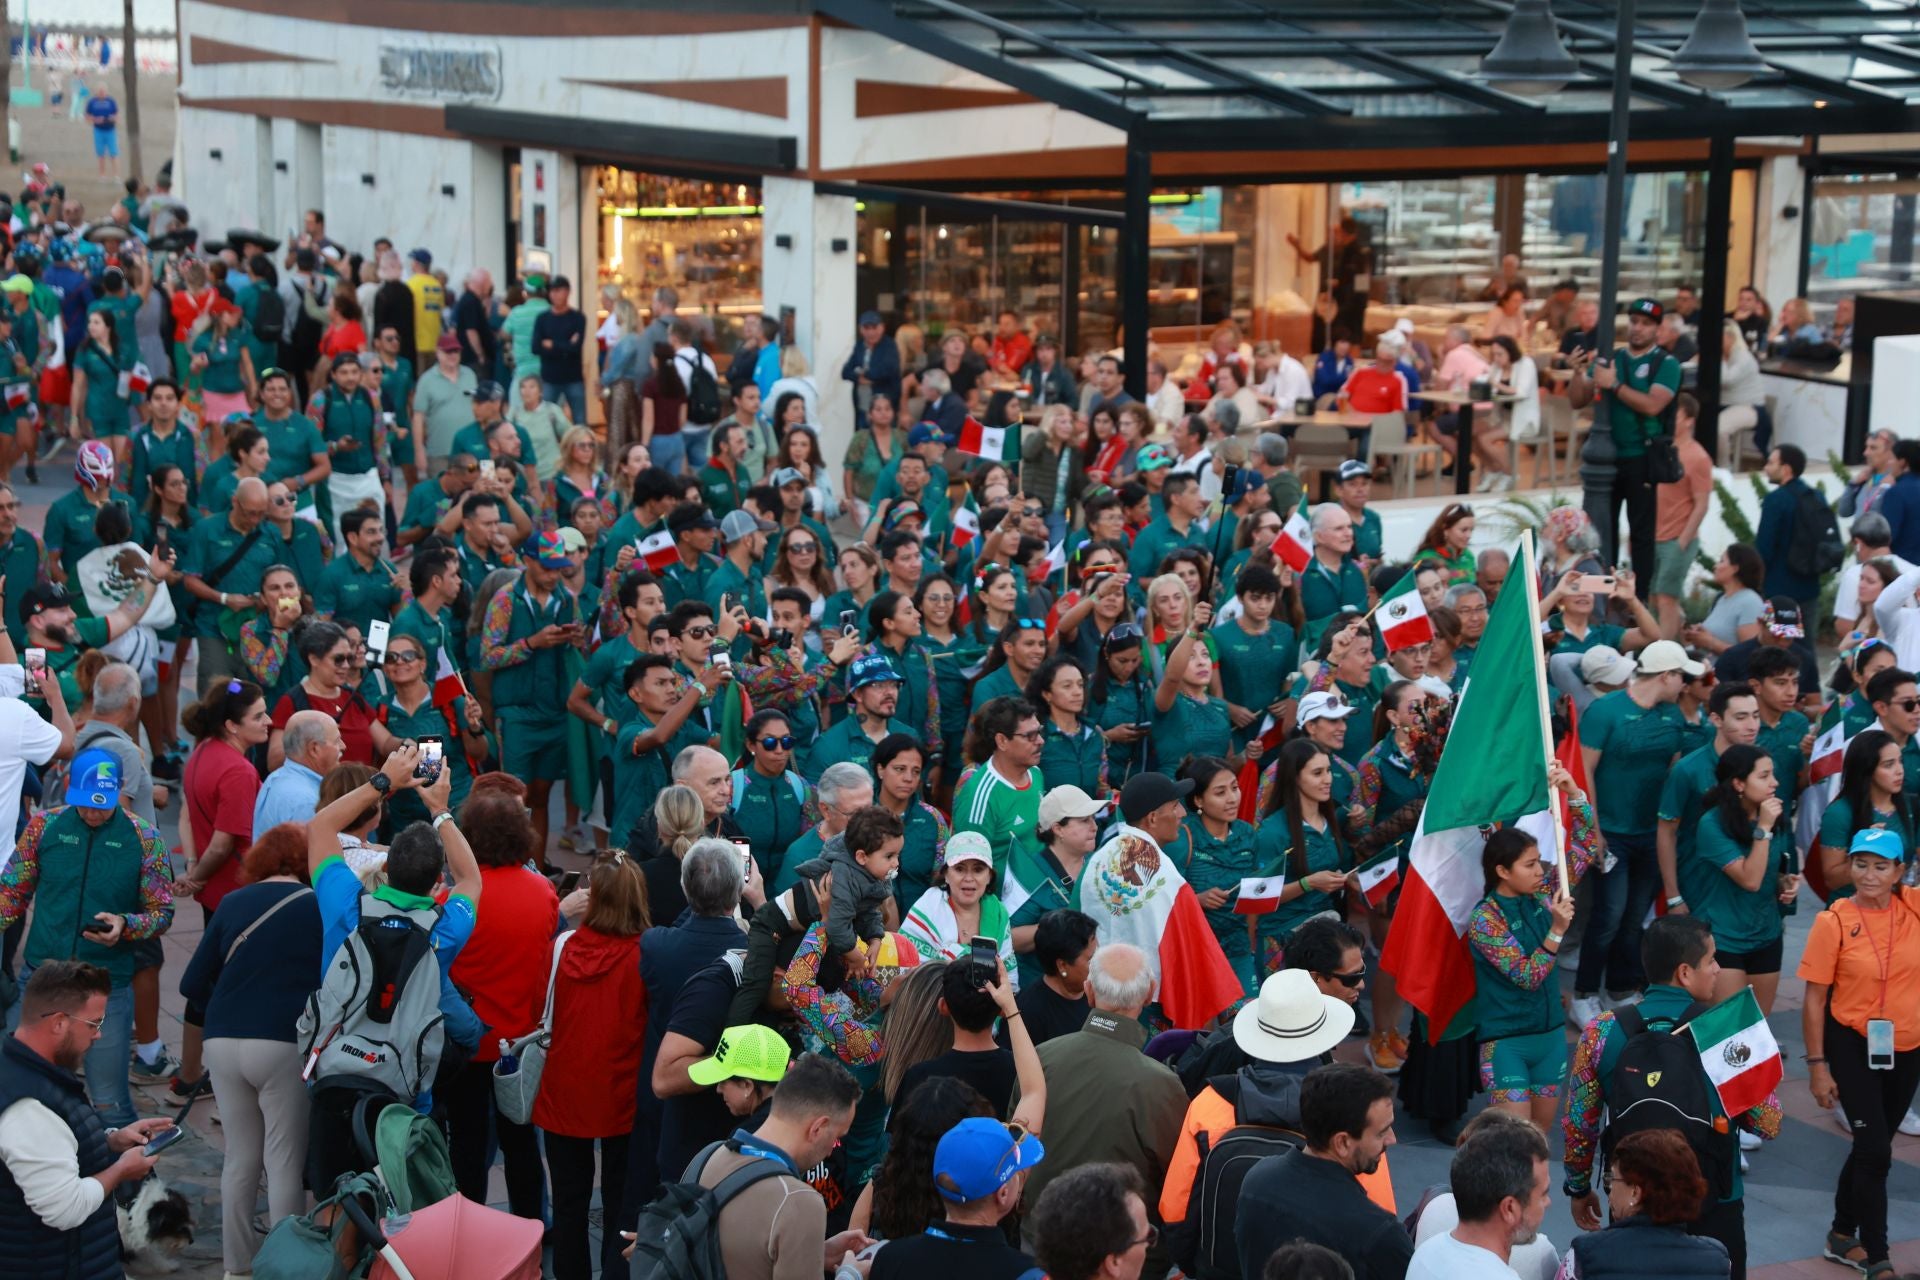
1718,53
1530,58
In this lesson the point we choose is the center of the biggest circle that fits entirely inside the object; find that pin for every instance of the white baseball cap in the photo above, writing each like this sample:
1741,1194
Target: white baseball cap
1664,655
1324,705
1061,803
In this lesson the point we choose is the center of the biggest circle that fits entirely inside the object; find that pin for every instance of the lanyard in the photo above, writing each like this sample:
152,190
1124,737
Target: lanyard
1884,962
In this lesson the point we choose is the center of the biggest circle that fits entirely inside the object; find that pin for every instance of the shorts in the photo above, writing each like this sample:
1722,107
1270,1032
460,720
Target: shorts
1762,960
56,385
106,143
147,953
534,750
1522,1068
1671,560
219,404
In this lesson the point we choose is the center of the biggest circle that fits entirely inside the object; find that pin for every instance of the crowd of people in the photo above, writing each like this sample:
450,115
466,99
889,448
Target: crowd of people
974,846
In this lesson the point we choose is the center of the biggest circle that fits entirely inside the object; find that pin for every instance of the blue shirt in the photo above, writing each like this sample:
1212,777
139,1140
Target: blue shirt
103,112
338,891
291,793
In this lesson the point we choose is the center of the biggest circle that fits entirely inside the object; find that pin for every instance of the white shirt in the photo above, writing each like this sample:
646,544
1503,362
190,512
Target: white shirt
1846,595
1537,1260
1899,620
1168,405
685,357
24,739
1288,382
43,1157
1446,1258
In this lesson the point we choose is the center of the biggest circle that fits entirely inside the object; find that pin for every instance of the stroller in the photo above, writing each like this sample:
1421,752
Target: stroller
402,1219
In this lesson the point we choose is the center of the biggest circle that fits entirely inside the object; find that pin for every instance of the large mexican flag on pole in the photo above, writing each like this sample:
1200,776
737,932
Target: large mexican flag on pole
1493,769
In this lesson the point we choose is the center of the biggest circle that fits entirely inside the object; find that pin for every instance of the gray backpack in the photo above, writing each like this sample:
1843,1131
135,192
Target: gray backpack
376,1018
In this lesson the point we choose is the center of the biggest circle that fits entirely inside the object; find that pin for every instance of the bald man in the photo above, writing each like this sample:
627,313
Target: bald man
1098,1073
291,793
225,560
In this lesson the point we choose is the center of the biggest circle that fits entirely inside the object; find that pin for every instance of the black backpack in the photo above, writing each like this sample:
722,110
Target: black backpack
305,332
1658,1083
1817,547
1204,1244
679,1233
703,394
269,315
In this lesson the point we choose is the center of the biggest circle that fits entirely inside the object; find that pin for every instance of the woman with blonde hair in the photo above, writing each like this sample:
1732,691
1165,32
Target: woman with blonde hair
795,378
581,474
916,1029
679,820
599,1024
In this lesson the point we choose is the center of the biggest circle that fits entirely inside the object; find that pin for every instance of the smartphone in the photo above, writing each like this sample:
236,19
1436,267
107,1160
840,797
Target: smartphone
95,928
984,955
849,622
387,419
721,659
726,602
432,752
162,1140
746,856
1598,583
1879,1044
377,632
486,469
35,660
568,882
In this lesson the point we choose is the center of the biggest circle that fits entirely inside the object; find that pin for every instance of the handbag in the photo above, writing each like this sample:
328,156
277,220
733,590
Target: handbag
524,1060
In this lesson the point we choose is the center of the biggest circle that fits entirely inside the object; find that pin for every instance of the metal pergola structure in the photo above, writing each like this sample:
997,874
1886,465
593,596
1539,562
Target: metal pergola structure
1280,75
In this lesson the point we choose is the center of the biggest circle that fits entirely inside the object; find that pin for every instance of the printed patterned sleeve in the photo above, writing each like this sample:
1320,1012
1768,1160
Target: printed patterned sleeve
943,832
156,886
611,623
1585,1104
930,727
845,1020
1583,841
779,683
1489,934
1322,679
1366,793
22,874
495,652
1763,1119
265,655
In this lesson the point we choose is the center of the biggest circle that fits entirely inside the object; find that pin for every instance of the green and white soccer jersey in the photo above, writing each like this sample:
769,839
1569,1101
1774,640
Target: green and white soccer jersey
1006,813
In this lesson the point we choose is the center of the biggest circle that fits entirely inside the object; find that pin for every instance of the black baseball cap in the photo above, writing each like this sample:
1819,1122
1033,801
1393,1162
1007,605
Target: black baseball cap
48,595
1146,792
688,516
1647,307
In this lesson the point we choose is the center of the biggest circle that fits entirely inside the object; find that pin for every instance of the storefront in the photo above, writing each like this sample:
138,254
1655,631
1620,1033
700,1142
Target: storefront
701,238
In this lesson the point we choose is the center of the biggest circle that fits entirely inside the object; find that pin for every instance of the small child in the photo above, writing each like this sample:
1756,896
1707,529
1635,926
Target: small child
863,861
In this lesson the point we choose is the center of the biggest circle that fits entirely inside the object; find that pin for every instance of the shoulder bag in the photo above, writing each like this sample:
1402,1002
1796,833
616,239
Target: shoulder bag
517,1072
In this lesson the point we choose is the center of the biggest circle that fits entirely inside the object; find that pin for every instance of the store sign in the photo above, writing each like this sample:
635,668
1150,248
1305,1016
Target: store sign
434,71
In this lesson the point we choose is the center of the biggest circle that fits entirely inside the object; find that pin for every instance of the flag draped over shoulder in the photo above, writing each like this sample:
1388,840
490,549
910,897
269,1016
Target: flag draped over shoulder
1493,769
1136,895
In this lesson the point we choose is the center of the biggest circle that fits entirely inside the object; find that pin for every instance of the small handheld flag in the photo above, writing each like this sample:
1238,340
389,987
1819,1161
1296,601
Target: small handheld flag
966,526
1259,895
1738,1050
1378,878
1403,616
1294,546
982,441
657,550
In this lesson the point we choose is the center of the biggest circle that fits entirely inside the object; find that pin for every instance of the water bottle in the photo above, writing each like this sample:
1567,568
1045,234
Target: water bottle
509,1061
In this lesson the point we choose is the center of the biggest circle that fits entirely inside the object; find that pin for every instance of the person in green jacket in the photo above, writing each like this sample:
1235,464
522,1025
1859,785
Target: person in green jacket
302,544
221,359
873,691
1872,795
298,454
738,580
1224,851
1187,720
349,417
1743,870
1074,752
1515,933
724,481
69,526
1015,656
1332,580
525,629
1179,527
1256,650
773,805
666,721
163,440
359,587
1300,838
899,765
103,401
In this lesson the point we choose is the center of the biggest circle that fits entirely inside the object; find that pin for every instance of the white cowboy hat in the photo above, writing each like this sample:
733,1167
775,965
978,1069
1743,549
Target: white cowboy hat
1291,1021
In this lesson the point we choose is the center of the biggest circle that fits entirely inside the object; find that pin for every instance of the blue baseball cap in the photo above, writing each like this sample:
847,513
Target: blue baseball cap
1869,842
870,668
979,1155
94,780
924,433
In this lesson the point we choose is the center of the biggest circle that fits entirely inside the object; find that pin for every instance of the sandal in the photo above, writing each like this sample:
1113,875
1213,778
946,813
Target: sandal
1881,1270
1845,1250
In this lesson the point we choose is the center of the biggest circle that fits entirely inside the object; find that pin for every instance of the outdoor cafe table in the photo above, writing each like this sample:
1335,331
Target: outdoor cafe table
1463,437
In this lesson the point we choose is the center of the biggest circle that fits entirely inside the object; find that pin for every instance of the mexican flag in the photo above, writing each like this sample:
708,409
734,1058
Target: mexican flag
1738,1050
1294,546
1829,752
966,526
657,550
732,708
982,441
1492,769
447,685
1259,895
1403,618
1376,879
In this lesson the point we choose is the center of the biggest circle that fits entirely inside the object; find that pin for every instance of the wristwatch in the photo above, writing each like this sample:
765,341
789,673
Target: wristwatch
380,782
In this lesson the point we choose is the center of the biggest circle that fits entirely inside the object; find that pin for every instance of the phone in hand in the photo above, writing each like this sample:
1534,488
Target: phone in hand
849,622
568,882
984,957
162,1140
432,753
378,630
1598,582
34,660
486,469
745,850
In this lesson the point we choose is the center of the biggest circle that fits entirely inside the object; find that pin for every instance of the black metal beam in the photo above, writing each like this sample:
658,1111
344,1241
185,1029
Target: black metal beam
1457,87
1853,90
702,148
1013,31
883,20
1713,287
1135,242
1254,86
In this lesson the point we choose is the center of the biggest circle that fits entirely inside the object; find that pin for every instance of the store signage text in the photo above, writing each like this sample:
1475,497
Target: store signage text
435,72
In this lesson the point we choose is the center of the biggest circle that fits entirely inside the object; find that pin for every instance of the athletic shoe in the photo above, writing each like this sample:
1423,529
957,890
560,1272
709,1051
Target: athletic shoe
1743,1162
1911,1125
160,1071
1845,1250
50,447
1582,1010
1610,1001
1380,1053
166,768
1749,1141
33,474
180,1091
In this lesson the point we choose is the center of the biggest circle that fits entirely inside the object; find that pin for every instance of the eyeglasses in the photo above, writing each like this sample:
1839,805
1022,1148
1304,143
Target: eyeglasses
1002,1168
1465,610
1150,1239
397,656
57,1013
1034,513
1908,705
782,743
1351,981
1125,631
283,501
795,548
1031,735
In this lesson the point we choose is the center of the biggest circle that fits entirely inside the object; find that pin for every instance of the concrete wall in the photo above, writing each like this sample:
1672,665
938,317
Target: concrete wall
817,280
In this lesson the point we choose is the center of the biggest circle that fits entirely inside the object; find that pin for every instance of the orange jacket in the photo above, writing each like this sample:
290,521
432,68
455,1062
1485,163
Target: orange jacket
1209,1113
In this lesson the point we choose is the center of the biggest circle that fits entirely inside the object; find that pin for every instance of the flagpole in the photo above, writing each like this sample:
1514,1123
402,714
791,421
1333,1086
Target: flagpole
1540,683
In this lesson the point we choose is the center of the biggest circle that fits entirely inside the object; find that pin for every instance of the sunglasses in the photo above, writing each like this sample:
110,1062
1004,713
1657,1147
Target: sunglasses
782,743
1030,624
405,655
698,633
283,502
795,548
1351,981
340,659
1908,705
1031,735
1125,631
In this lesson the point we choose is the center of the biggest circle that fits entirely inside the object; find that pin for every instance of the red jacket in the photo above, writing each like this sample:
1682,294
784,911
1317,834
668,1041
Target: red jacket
503,968
599,1024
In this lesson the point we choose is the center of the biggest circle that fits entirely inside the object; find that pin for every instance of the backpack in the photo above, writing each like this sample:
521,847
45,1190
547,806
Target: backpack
376,1017
1658,1083
1817,547
308,1247
679,1233
306,329
703,394
269,314
1204,1243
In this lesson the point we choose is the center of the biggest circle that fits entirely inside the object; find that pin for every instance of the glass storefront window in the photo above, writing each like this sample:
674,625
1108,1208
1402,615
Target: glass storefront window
1861,238
701,238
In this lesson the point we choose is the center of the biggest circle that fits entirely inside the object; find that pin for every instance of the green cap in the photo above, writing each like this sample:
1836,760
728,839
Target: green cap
752,1052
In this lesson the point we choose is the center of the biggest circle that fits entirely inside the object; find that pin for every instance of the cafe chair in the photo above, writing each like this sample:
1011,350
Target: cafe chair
1402,456
1559,422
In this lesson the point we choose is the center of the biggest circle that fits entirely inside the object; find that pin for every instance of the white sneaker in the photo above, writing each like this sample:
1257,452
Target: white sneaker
1582,1010
1911,1125
1611,1001
1749,1141
1743,1162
